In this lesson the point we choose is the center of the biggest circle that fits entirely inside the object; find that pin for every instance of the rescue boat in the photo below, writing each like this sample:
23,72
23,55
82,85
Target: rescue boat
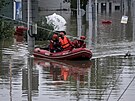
75,54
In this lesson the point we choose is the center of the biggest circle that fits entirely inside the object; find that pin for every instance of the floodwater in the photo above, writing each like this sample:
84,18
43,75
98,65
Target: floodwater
101,79
108,76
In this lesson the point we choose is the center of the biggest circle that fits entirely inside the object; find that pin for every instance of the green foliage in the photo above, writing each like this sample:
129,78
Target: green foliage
2,4
6,29
44,30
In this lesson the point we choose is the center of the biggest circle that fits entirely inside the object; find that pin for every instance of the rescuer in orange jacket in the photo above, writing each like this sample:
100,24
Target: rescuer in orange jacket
81,42
65,42
55,45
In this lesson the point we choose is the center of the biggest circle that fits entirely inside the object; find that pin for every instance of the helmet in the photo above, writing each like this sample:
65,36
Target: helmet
55,36
62,34
82,37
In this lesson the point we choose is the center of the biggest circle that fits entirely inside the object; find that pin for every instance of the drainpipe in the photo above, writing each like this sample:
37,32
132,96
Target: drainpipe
133,11
79,19
95,21
30,35
90,25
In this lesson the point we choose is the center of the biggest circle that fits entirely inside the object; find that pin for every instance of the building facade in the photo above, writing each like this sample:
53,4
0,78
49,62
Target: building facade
46,7
108,5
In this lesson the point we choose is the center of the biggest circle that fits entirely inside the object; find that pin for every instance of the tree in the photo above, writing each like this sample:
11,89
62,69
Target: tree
45,30
2,4
6,28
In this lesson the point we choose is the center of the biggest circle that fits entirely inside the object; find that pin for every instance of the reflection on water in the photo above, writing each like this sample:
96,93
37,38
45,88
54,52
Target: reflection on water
12,60
96,80
63,70
59,80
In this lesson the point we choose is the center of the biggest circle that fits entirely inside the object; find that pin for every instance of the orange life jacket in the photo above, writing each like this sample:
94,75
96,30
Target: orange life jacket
64,42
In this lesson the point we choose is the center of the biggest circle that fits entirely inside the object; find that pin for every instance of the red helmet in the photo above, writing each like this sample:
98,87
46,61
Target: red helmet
55,36
83,37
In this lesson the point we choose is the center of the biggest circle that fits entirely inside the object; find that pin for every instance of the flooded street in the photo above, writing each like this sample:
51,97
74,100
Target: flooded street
108,76
100,79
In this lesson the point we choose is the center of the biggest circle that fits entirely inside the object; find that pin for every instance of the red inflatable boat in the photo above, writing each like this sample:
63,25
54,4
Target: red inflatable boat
75,54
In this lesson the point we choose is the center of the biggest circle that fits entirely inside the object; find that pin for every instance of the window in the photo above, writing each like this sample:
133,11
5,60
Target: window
117,7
